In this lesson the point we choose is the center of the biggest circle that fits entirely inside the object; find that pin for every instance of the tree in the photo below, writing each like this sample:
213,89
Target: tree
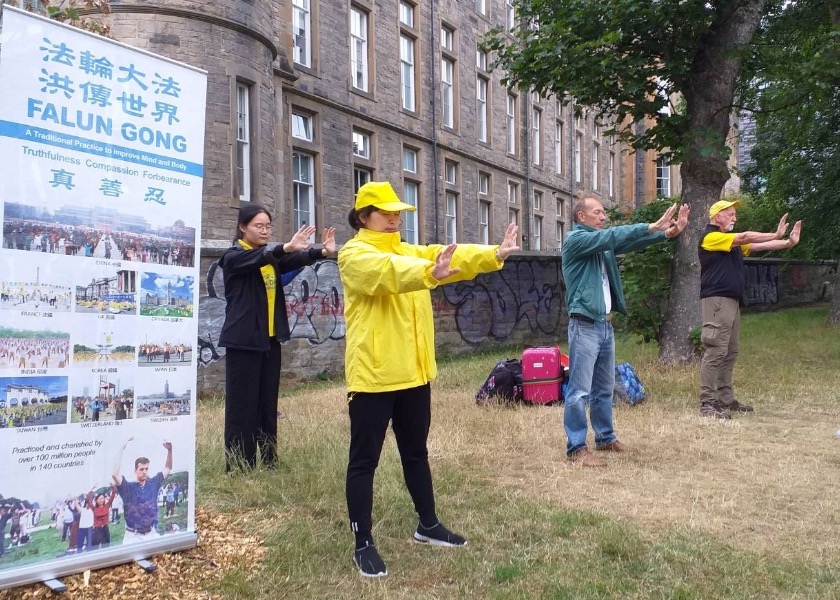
797,154
69,11
626,60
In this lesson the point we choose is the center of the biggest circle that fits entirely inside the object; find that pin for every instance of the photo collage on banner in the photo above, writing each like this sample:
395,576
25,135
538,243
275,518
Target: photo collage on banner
100,204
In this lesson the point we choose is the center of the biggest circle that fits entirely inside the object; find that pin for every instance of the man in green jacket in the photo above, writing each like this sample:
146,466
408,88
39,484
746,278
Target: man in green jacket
593,292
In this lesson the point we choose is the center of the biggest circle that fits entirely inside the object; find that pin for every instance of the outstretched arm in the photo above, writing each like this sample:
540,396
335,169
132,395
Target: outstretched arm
116,474
779,244
168,466
756,237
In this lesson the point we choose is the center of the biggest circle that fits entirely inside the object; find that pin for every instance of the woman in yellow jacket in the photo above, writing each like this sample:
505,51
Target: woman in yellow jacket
390,355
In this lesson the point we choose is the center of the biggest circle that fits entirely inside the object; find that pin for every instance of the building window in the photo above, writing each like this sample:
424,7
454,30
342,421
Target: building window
483,222
447,91
409,160
558,147
361,176
537,241
302,126
538,200
407,14
536,147
480,60
450,172
481,107
243,141
447,38
596,174
481,7
558,234
513,193
361,144
511,124
558,206
303,189
301,33
411,195
663,178
359,48
578,157
611,175
407,95
451,221
483,183
513,217
510,15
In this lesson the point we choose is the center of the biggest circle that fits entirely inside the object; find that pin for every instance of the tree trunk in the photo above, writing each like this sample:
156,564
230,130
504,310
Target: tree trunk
834,311
709,96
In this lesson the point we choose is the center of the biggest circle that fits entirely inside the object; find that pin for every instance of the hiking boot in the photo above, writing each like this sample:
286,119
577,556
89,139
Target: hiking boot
438,536
368,561
713,410
736,406
614,446
585,458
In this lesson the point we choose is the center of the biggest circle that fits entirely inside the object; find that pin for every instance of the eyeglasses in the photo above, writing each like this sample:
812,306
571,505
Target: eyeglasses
261,227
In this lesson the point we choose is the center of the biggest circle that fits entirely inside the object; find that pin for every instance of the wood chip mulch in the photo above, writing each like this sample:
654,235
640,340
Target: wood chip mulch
222,547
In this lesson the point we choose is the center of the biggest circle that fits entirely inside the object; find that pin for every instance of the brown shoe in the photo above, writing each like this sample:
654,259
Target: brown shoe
713,410
615,446
585,458
736,407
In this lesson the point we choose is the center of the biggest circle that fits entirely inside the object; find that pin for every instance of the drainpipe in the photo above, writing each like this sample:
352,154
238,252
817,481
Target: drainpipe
526,200
572,174
434,136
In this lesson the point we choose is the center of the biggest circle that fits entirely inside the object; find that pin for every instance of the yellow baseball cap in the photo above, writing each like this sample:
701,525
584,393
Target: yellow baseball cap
381,195
722,205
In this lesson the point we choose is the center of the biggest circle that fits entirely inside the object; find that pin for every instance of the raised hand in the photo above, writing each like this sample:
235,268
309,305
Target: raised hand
300,240
509,243
676,226
328,239
782,228
795,232
664,222
441,269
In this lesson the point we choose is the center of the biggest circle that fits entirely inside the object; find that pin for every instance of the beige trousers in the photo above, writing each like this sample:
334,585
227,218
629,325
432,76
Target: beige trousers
721,327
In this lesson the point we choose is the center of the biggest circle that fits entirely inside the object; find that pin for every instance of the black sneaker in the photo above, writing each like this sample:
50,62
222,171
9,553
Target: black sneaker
369,562
713,410
438,536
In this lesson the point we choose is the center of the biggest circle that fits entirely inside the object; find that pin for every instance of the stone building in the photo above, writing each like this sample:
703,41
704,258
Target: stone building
307,99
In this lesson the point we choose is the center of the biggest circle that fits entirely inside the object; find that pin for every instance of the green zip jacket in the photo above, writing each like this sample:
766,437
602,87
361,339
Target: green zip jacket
583,249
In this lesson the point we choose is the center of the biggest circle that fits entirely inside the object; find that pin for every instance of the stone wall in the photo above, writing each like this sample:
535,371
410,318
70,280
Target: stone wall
520,305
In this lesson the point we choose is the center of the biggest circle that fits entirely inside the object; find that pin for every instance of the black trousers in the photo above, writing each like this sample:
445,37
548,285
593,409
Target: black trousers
252,383
410,412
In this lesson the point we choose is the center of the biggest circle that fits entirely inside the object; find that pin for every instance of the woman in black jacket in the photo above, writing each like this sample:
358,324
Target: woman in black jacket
255,325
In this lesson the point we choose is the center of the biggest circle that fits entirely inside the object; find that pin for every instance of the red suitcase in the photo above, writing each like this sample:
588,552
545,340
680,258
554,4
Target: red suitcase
542,374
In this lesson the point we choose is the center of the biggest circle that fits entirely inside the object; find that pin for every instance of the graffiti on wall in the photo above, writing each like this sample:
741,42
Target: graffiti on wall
761,284
493,305
314,305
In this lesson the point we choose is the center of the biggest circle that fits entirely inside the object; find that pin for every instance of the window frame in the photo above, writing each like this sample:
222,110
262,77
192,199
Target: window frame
359,49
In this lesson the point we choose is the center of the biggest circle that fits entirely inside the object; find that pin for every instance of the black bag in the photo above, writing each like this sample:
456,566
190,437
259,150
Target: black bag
504,383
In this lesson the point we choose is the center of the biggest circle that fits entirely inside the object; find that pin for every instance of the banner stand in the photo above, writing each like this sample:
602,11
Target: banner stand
100,222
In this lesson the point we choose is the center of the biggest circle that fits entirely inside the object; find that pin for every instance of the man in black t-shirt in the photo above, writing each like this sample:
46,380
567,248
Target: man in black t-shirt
722,275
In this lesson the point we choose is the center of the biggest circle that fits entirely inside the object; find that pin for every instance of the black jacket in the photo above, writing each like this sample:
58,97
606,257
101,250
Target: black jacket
246,313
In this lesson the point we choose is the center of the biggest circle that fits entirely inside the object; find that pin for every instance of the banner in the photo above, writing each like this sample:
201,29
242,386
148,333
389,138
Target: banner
100,202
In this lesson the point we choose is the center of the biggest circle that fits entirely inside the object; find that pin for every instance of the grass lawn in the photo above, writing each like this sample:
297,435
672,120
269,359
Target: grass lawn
698,508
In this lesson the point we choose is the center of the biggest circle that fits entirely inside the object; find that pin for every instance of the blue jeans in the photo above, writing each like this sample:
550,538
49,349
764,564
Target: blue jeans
591,381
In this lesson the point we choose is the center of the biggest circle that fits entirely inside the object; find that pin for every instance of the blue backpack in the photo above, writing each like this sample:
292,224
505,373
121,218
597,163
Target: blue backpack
628,386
